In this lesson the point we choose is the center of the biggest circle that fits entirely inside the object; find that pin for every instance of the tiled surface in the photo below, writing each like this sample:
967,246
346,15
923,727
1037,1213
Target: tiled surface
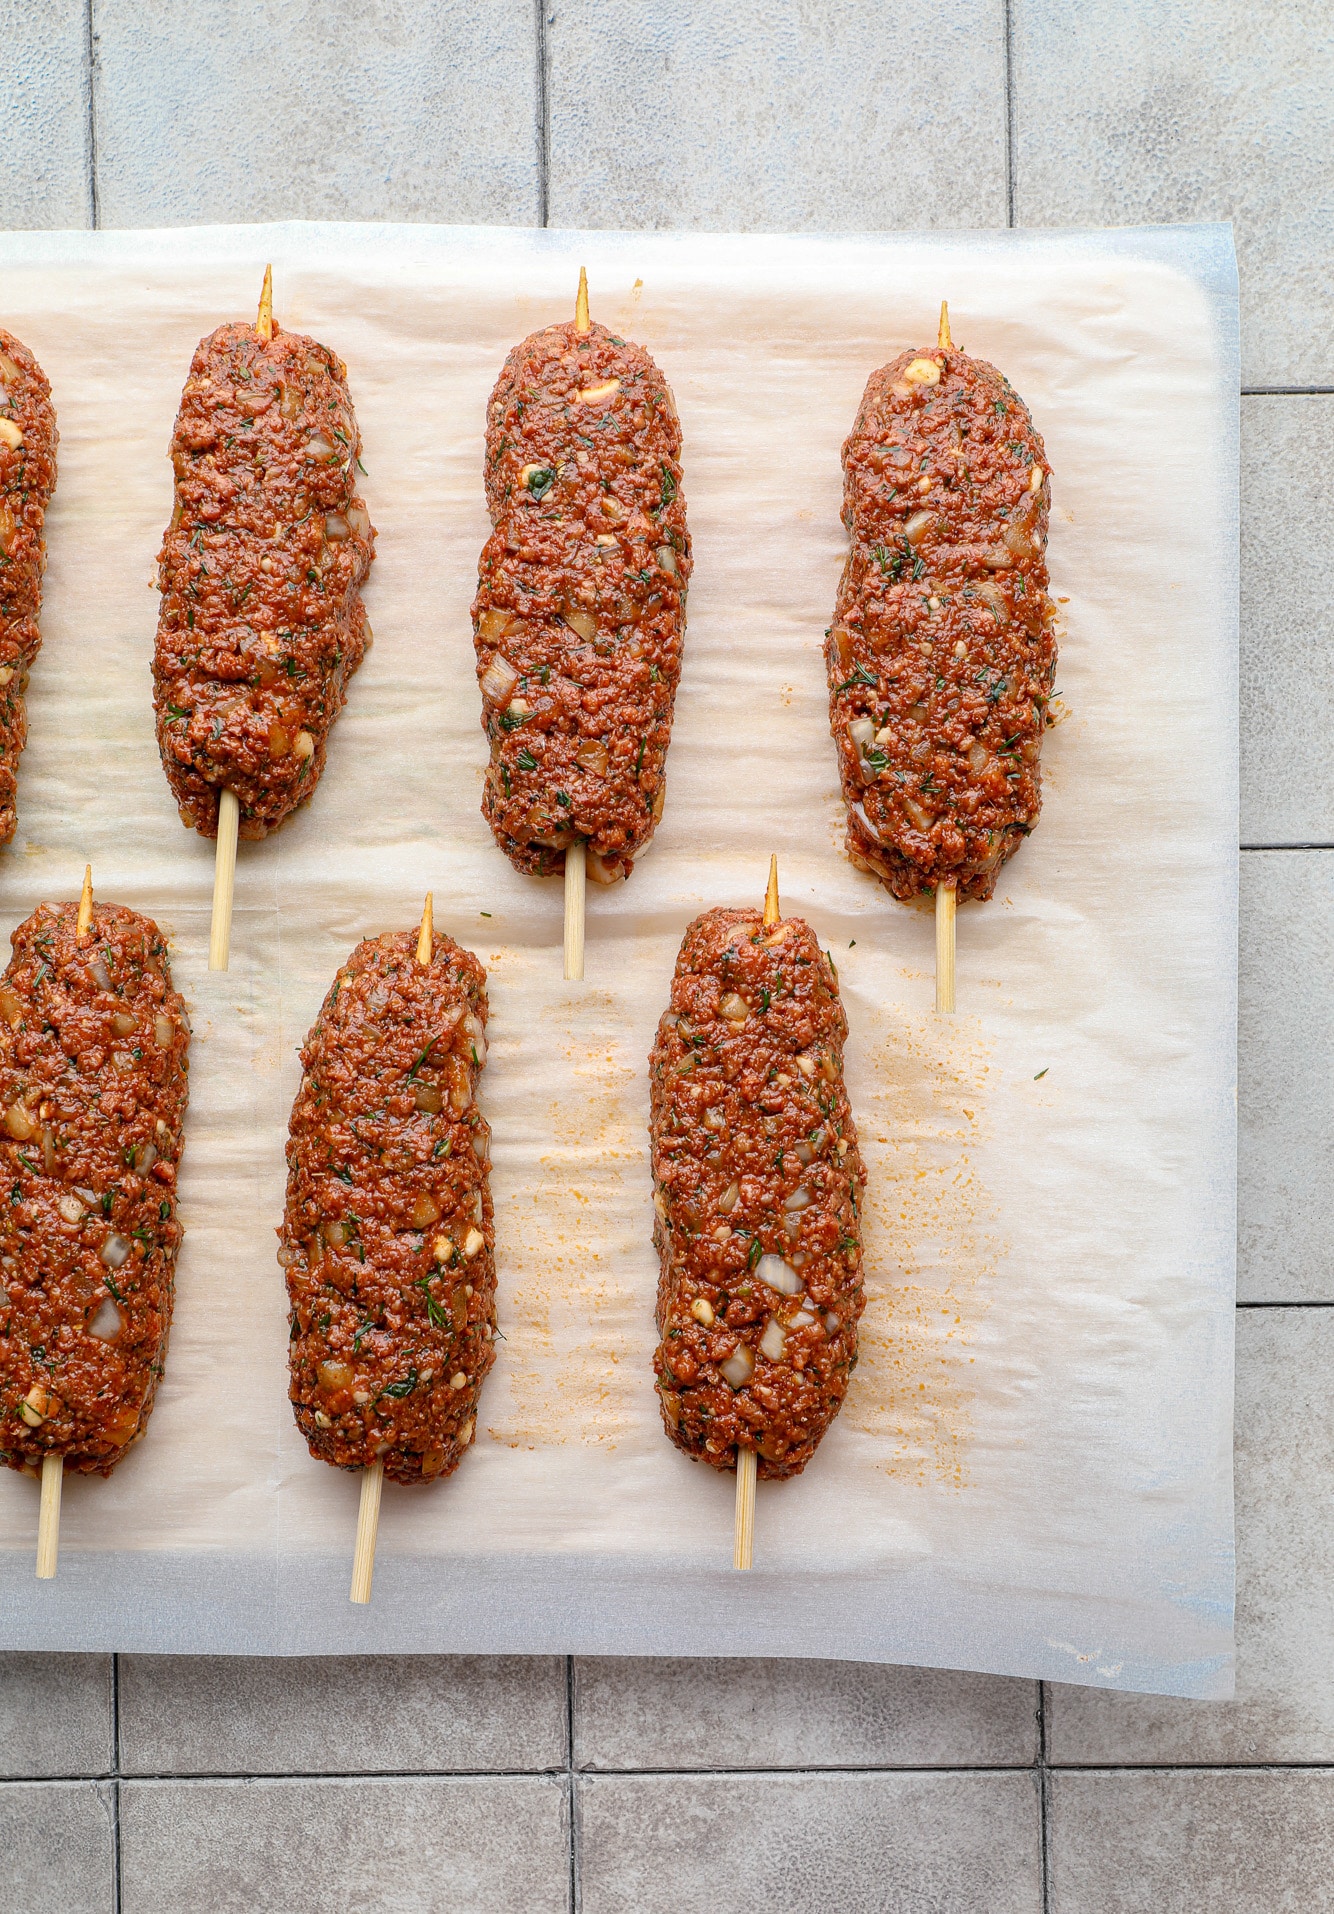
758,1785
785,1714
44,174
1287,619
747,115
213,110
56,1715
1141,112
496,1846
1286,1076
328,1715
1193,1843
734,1844
56,1851
1284,1710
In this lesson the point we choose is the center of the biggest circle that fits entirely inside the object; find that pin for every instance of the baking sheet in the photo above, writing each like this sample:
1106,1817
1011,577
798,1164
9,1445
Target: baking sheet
1032,1472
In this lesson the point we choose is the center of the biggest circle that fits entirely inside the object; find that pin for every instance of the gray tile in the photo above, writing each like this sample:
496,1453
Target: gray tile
44,173
1133,112
1183,1843
55,1714
289,109
341,1714
1287,619
56,1847
1284,1710
1285,1077
852,118
797,1714
863,1844
407,1846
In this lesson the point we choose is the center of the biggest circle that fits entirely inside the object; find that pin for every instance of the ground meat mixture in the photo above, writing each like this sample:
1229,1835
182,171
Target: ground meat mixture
27,479
941,656
388,1240
580,609
758,1195
261,622
93,1060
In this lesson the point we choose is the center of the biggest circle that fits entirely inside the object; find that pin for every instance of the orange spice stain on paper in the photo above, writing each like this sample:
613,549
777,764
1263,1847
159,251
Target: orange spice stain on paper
931,1235
571,1313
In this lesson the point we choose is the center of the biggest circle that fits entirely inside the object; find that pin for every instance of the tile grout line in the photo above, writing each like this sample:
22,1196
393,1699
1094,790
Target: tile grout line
1286,391
116,1901
1009,116
94,198
571,1796
1044,1805
543,116
1244,848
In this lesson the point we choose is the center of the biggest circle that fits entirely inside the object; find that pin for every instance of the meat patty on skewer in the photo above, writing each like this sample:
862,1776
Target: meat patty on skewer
28,439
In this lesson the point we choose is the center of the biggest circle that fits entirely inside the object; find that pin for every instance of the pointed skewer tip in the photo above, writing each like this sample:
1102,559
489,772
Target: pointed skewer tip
264,321
85,904
581,321
772,913
945,341
426,935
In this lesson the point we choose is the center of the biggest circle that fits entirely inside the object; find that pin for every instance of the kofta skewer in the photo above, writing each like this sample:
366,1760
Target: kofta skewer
941,656
757,1198
28,440
261,622
580,607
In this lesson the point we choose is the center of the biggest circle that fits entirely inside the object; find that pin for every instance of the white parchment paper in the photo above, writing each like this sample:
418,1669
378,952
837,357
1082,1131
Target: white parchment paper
1032,1473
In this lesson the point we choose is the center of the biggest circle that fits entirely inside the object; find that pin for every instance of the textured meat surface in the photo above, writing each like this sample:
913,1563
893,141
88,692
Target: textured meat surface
758,1187
941,655
261,622
388,1240
580,610
27,479
93,1060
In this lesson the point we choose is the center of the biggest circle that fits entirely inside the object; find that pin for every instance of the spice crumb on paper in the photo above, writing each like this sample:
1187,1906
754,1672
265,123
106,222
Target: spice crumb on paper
932,1235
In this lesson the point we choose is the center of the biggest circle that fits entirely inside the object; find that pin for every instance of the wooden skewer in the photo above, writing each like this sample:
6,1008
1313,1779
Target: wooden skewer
229,807
372,1479
576,857
946,896
53,1465
945,342
747,1462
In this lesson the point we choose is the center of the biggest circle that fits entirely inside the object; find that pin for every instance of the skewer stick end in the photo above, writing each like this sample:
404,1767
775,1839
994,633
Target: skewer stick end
264,320
426,935
946,899
85,904
744,1545
48,1521
581,320
576,869
368,1522
772,913
224,881
944,337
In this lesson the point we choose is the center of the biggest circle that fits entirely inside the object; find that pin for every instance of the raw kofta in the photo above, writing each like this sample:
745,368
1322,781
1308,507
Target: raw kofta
388,1240
94,1042
28,440
579,617
758,1187
261,622
941,656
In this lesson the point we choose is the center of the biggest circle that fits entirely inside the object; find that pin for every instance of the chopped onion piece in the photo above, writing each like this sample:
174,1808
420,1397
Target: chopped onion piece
70,1208
802,1320
733,1007
106,1323
336,526
862,732
727,1202
803,1151
773,1343
831,1322
739,1367
800,1199
777,1274
499,679
100,976
115,1251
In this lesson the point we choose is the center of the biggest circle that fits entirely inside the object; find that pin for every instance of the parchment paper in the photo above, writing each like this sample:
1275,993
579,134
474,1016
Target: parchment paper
1032,1473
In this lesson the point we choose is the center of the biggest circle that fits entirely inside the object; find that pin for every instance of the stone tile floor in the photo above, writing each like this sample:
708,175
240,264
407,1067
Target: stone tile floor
488,1785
